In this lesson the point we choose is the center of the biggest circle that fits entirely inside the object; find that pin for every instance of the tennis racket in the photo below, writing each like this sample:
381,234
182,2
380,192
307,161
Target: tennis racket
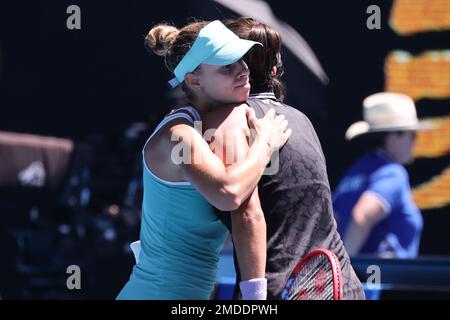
316,277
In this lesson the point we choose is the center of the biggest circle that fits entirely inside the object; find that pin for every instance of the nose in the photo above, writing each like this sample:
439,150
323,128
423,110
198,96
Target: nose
243,69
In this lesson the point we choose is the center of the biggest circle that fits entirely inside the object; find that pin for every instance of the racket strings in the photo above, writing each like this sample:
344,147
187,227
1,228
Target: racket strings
308,272
314,281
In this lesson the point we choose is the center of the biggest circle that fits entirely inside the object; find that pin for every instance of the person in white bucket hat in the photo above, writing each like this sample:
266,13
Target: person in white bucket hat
181,236
387,111
373,202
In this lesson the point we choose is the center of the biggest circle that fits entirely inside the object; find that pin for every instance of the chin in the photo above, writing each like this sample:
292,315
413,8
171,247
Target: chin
408,160
242,99
243,93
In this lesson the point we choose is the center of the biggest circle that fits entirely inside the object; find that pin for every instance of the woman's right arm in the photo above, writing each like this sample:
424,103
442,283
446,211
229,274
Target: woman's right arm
226,188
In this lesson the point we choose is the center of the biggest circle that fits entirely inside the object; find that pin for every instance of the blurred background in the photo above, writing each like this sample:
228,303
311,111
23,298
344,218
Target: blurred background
77,105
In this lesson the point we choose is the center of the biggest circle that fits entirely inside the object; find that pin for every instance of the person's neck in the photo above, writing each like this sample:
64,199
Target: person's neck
385,153
202,108
260,88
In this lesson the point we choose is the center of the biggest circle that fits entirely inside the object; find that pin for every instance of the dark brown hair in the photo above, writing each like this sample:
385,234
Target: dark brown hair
261,60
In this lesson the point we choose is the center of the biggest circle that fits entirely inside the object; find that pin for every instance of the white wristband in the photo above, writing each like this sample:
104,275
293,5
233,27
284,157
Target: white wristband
254,289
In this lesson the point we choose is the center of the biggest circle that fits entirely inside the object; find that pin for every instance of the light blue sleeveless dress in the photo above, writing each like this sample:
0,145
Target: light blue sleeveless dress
181,238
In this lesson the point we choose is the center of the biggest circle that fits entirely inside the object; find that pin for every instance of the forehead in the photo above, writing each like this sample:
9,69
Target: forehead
208,67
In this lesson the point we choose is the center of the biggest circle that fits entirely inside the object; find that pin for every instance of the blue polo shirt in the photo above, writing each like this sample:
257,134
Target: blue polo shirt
398,234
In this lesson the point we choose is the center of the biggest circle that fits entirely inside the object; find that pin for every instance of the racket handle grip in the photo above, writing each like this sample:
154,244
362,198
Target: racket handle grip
254,289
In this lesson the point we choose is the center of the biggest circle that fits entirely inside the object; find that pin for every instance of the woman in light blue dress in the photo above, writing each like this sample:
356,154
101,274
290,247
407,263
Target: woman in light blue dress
181,236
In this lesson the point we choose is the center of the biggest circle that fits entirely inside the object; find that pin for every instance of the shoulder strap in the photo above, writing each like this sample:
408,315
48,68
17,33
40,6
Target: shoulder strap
192,112
176,115
171,117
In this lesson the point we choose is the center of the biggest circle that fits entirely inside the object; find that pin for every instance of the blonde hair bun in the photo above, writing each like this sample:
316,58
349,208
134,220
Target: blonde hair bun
160,38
